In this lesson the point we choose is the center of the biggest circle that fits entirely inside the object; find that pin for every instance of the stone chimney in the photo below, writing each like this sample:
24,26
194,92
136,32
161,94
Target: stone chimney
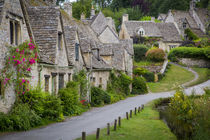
82,17
50,2
93,13
110,22
152,19
68,8
192,5
125,18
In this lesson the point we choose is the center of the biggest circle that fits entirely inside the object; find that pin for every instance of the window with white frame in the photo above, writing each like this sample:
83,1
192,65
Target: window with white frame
141,32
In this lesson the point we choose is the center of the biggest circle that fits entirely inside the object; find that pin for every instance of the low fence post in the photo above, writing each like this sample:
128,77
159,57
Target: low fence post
108,129
98,133
119,121
142,107
83,135
135,110
115,125
139,109
130,113
127,116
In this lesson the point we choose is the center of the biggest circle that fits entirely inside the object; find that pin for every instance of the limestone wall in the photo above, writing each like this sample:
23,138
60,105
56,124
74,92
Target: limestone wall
101,78
195,62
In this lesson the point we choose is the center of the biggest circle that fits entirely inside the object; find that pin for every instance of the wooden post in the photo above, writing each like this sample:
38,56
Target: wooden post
108,129
119,121
127,116
83,135
98,133
135,110
142,107
130,113
115,125
139,109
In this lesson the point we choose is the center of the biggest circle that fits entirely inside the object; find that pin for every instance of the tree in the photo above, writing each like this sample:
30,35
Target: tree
79,7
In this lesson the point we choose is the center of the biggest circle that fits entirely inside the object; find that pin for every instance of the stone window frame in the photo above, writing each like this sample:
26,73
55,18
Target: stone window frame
54,83
47,82
100,81
172,46
63,80
141,32
69,77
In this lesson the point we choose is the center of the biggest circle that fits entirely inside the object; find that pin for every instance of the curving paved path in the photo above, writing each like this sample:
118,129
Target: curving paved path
95,118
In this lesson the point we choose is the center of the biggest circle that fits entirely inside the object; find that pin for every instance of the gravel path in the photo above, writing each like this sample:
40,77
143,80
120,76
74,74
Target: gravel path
94,118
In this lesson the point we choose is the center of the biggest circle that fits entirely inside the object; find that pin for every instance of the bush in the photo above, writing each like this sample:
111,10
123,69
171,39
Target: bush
70,99
21,117
156,55
139,86
139,71
99,97
186,52
190,34
124,84
149,76
139,52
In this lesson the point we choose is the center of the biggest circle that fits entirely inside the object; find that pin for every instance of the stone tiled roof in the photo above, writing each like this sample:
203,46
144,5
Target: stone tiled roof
149,27
118,58
128,45
180,15
100,64
44,23
99,23
106,50
169,32
1,9
163,16
204,15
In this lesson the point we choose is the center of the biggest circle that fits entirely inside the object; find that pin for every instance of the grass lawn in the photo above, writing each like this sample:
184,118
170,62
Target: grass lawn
144,126
204,75
174,77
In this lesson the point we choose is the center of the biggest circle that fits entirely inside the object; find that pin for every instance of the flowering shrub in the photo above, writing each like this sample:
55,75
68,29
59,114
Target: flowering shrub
18,65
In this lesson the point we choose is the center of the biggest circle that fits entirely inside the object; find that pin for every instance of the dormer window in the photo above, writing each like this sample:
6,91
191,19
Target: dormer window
76,52
184,24
141,32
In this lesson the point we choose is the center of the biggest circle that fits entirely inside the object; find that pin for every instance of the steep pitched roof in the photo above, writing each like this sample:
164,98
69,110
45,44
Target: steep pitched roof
204,15
181,15
149,27
99,23
118,58
169,32
106,50
100,64
1,9
162,16
44,23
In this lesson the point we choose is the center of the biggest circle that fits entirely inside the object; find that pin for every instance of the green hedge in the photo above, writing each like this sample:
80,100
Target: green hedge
99,97
139,86
139,52
189,52
149,76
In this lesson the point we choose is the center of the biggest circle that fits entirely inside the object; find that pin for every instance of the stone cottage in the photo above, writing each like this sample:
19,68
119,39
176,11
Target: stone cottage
166,33
197,19
65,45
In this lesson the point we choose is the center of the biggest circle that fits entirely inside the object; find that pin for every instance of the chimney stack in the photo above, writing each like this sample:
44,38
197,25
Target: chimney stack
125,18
93,13
68,8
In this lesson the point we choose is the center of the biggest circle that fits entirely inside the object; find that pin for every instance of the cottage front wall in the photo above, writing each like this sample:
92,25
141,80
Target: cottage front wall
167,46
128,64
13,14
101,78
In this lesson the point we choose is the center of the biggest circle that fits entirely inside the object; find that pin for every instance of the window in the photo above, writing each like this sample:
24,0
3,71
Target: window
184,25
47,77
54,83
69,77
141,32
77,52
14,32
100,82
59,40
172,46
98,55
61,81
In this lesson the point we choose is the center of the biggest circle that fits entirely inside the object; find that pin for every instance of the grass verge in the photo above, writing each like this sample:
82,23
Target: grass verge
143,126
204,75
174,77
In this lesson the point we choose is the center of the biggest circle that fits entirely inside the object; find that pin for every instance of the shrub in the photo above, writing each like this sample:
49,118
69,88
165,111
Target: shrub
190,34
124,84
139,86
186,52
70,99
156,55
139,71
99,97
149,76
139,52
21,117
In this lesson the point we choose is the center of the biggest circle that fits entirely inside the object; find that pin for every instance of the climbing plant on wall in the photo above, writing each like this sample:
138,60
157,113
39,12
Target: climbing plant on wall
18,65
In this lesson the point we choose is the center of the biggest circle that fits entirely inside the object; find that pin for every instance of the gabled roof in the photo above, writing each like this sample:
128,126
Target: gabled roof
162,16
99,23
182,15
169,32
204,15
44,23
1,9
100,64
149,27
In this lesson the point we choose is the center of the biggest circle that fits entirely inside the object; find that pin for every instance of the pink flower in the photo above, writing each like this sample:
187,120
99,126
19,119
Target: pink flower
32,61
13,57
24,59
18,62
31,46
29,69
17,50
22,52
23,93
23,80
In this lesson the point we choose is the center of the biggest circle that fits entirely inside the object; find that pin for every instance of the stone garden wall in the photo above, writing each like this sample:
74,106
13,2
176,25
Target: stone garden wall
195,62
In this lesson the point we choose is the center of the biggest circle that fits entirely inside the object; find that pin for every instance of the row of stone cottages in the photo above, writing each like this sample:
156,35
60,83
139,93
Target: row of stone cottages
170,32
65,45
